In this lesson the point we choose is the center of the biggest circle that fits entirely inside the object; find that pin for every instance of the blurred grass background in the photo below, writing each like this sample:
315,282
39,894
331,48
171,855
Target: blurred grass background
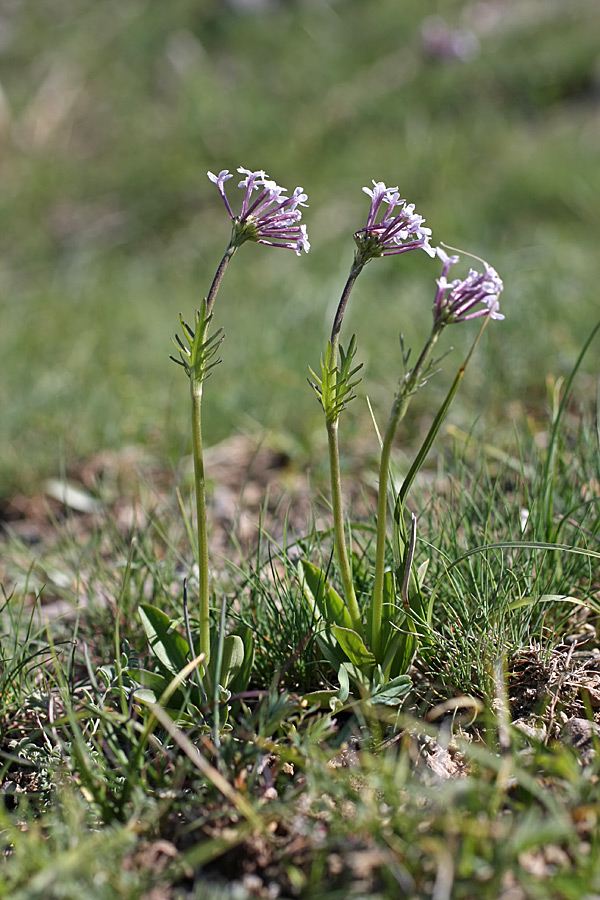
487,117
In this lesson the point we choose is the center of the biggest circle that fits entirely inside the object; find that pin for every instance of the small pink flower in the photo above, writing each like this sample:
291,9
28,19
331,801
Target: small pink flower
270,217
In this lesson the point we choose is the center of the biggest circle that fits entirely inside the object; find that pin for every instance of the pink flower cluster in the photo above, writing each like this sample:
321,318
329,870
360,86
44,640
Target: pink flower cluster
455,300
398,230
268,218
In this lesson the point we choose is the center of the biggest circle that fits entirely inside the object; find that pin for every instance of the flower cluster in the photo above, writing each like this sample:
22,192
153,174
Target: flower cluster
268,218
455,300
398,230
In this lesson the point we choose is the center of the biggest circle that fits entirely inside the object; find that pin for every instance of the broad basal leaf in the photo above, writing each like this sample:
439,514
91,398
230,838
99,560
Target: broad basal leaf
169,647
321,596
355,648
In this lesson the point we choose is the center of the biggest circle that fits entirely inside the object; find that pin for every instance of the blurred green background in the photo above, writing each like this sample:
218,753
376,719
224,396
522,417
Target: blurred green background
486,114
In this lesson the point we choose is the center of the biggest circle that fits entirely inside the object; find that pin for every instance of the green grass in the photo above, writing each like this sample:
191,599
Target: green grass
89,775
114,112
114,228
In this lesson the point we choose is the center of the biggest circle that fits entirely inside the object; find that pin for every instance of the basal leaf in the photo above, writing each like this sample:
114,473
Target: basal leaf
355,648
422,572
233,659
153,686
169,647
239,679
344,691
321,596
399,651
393,692
320,698
389,612
330,648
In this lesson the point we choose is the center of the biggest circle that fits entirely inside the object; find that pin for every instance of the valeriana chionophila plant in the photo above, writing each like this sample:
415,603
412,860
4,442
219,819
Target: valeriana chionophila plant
372,653
267,216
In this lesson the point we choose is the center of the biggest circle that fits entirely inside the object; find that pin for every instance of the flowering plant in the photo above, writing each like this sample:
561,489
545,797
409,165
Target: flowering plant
372,651
223,663
370,645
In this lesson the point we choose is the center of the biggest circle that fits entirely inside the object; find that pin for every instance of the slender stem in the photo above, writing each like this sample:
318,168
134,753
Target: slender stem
200,485
196,379
341,550
399,408
212,294
338,527
339,315
190,640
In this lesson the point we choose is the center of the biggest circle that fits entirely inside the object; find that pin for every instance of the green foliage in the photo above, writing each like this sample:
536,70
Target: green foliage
65,856
510,820
113,220
335,387
113,781
500,558
492,571
392,638
171,652
23,651
238,659
198,358
272,609
227,673
374,682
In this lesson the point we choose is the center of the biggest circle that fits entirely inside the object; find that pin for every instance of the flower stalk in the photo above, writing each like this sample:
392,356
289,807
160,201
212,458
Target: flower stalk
401,402
455,301
216,282
201,517
341,551
269,218
397,230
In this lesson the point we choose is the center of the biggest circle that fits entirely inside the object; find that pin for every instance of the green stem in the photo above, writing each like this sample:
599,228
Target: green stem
196,381
339,315
399,408
212,294
341,551
200,486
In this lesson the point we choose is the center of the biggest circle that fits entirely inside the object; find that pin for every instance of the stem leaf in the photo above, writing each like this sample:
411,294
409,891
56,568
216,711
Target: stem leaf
335,386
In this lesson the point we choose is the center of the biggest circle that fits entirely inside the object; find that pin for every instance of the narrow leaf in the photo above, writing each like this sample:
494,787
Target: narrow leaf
393,692
152,686
344,691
